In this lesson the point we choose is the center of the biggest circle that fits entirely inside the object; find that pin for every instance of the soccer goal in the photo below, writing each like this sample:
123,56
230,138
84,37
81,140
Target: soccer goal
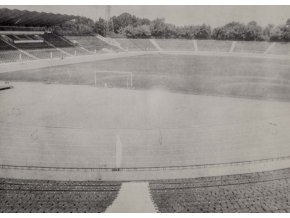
111,79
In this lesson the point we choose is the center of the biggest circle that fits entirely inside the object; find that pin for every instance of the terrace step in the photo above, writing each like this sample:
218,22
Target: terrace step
155,44
269,48
233,46
59,49
195,45
20,50
111,42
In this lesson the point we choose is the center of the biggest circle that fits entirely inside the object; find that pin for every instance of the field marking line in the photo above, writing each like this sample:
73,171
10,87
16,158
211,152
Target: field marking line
133,197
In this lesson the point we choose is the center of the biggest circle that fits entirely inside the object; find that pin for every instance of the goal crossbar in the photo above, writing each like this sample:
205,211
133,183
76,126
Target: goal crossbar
129,73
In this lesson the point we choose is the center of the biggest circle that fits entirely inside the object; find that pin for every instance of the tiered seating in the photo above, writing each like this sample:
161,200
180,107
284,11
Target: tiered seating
91,43
251,47
38,49
4,46
26,42
43,50
175,44
22,28
128,44
36,37
52,196
28,46
56,40
256,192
144,44
13,37
10,54
214,45
29,37
45,46
280,49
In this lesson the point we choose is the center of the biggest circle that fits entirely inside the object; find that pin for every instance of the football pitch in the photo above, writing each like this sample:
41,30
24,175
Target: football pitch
206,75
185,111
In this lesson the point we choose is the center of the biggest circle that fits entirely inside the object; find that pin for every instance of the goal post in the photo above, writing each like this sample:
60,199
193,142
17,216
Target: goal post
112,78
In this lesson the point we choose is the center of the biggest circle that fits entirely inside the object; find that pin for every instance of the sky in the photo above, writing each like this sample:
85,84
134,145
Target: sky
178,15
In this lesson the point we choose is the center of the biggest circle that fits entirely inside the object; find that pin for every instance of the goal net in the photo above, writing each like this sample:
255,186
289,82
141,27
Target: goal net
113,79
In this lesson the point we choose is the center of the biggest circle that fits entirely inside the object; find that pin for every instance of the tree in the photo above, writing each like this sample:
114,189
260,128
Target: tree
157,28
217,33
266,31
231,31
285,33
131,26
276,33
235,31
78,26
253,31
142,31
202,32
100,27
185,32
143,21
170,31
126,19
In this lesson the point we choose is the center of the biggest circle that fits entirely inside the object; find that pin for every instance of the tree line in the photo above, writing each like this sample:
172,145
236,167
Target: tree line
130,26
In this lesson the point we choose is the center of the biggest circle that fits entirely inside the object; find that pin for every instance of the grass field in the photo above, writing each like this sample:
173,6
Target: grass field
77,126
159,124
229,76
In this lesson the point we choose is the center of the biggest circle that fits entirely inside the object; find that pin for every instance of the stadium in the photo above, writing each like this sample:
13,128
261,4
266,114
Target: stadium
88,123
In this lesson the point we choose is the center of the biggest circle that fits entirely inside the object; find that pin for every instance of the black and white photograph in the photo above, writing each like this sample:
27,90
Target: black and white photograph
144,108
